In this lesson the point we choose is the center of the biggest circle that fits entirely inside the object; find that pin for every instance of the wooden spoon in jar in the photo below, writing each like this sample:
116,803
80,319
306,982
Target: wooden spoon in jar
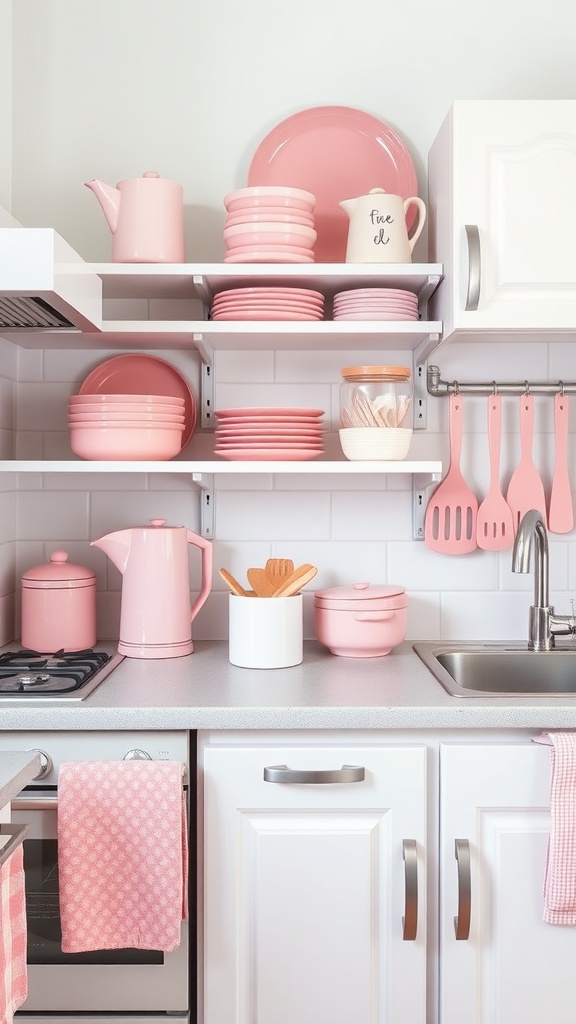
258,580
232,582
299,578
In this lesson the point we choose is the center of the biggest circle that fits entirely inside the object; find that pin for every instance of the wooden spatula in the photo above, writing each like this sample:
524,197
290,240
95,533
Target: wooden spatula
495,526
278,569
258,580
561,512
526,490
451,515
299,578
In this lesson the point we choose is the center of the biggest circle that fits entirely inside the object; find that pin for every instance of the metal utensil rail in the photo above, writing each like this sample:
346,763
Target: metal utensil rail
439,388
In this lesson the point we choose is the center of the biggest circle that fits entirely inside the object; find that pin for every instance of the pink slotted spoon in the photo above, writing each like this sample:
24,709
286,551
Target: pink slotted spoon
451,515
526,490
561,512
495,524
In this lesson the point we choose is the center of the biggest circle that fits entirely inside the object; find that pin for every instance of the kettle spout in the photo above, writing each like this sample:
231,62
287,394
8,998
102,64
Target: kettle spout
109,199
116,546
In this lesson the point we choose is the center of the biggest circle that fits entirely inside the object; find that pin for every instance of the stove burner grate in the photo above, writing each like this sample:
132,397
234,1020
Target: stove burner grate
32,672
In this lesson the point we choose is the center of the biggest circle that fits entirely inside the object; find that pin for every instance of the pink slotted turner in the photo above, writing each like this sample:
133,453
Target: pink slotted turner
495,525
451,515
561,512
526,490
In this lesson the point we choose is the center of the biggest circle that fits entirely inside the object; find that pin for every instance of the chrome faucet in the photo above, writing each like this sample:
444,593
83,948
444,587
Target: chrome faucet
544,625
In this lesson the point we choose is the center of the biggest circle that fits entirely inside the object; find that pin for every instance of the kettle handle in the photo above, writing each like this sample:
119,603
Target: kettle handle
416,201
206,547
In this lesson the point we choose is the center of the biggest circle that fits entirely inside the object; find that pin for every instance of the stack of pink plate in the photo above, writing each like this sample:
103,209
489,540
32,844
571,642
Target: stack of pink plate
116,427
269,224
290,434
375,304
268,304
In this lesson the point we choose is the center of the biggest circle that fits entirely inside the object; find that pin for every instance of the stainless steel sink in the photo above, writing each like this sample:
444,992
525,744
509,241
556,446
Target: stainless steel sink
490,670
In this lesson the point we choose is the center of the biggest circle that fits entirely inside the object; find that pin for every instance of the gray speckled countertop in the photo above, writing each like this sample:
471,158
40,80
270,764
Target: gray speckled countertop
204,691
17,769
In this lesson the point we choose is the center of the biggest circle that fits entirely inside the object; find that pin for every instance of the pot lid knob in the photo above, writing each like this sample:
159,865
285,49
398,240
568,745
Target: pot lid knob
150,174
157,522
59,557
361,586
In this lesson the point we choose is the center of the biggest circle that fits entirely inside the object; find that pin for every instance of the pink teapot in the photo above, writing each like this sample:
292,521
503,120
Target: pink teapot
156,615
146,218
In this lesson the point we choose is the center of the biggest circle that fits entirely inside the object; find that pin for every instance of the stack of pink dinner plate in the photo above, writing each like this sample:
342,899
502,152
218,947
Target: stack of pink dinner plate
268,303
289,434
375,304
269,224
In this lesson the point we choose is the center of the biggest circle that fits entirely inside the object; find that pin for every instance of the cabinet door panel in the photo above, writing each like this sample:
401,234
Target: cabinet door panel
513,967
304,888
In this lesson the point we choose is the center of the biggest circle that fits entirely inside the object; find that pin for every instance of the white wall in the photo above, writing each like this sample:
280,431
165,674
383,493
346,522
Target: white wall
112,89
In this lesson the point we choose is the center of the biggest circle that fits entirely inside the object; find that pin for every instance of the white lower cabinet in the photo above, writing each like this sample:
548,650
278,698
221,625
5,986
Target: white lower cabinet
306,886
513,967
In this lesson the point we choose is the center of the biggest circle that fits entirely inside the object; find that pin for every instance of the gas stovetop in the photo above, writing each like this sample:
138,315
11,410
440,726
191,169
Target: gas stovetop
60,675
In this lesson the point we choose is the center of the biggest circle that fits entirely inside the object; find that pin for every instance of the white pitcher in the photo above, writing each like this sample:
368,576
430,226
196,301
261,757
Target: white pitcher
378,232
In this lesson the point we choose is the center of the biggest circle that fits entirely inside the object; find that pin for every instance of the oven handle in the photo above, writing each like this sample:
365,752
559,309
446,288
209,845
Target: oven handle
17,832
35,804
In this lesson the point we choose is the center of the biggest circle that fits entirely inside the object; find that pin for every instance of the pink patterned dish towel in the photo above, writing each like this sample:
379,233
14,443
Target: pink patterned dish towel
13,937
122,855
560,874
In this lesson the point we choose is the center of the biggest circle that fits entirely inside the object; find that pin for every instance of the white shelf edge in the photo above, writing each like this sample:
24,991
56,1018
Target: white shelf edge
218,466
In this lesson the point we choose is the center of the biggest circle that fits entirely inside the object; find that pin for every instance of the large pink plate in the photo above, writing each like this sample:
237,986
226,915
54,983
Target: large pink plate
274,455
140,374
272,314
271,413
336,153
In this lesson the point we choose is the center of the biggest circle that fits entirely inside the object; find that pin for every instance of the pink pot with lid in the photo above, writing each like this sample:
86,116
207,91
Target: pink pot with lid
58,606
362,620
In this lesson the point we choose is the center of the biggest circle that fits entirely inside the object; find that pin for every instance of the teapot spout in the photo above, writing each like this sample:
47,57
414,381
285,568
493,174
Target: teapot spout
116,546
109,199
348,205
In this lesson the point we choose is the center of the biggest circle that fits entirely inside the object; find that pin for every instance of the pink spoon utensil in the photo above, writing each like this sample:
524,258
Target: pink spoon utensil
526,490
495,525
561,513
451,515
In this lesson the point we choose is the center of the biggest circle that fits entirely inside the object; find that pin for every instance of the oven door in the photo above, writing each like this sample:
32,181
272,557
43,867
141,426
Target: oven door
109,981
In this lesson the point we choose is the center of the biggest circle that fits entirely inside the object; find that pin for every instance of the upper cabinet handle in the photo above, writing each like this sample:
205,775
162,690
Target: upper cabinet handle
462,920
474,266
281,773
410,919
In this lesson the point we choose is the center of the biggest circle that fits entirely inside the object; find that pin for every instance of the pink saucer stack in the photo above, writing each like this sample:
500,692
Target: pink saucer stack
268,303
258,434
375,304
269,224
130,427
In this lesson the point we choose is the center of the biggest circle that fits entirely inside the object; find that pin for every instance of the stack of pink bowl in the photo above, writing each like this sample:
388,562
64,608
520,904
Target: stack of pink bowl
131,427
269,224
375,304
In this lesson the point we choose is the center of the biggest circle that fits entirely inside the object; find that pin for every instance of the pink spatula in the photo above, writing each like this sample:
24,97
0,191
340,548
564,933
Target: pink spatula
450,523
526,490
495,527
561,513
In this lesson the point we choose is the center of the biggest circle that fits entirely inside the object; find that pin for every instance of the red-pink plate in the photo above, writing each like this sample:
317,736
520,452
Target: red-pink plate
271,413
336,153
272,454
268,292
140,374
259,314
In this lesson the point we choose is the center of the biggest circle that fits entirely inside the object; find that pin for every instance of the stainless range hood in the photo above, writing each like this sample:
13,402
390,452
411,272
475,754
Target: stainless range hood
44,284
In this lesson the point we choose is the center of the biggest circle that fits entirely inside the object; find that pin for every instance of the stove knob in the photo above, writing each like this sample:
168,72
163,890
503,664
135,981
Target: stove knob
136,755
46,764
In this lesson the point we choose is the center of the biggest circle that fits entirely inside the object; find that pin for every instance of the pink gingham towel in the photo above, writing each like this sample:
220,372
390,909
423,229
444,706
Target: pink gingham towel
122,855
13,937
560,873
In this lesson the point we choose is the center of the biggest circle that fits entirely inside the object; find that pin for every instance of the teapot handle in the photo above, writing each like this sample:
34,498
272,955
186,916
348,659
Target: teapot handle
416,201
206,547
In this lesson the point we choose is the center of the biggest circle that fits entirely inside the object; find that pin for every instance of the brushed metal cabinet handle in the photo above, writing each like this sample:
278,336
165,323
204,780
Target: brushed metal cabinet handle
410,919
17,833
474,266
283,774
462,920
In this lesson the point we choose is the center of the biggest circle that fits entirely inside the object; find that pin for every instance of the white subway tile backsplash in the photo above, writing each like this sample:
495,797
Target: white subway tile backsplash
7,406
371,514
8,518
273,516
243,367
47,515
417,568
7,623
7,573
471,617
274,395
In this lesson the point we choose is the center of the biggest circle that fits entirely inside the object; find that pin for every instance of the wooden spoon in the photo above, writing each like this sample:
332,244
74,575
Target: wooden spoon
235,587
299,578
258,580
278,570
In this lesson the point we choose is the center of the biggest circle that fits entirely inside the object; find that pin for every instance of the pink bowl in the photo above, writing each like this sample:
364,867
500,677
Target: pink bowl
245,250
130,399
271,195
270,214
137,409
270,232
129,443
142,418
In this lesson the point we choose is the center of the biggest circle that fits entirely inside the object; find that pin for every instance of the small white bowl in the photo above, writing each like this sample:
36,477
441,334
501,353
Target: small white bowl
364,443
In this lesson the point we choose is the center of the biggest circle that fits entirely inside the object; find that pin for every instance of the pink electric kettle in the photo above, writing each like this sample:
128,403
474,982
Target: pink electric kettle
155,615
146,218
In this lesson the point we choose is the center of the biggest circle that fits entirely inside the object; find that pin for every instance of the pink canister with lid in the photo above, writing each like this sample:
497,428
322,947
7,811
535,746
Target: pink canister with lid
362,620
58,606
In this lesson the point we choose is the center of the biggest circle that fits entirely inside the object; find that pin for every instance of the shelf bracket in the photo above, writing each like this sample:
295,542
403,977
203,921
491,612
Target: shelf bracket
206,483
423,486
206,382
420,399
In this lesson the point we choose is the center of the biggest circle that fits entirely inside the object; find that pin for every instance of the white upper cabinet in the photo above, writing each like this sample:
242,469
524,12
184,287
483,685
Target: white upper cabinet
502,218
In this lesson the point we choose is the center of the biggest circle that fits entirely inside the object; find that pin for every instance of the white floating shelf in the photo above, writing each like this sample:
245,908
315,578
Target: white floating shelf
433,466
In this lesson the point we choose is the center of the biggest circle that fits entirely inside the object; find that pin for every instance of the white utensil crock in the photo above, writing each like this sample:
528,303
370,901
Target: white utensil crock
265,632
